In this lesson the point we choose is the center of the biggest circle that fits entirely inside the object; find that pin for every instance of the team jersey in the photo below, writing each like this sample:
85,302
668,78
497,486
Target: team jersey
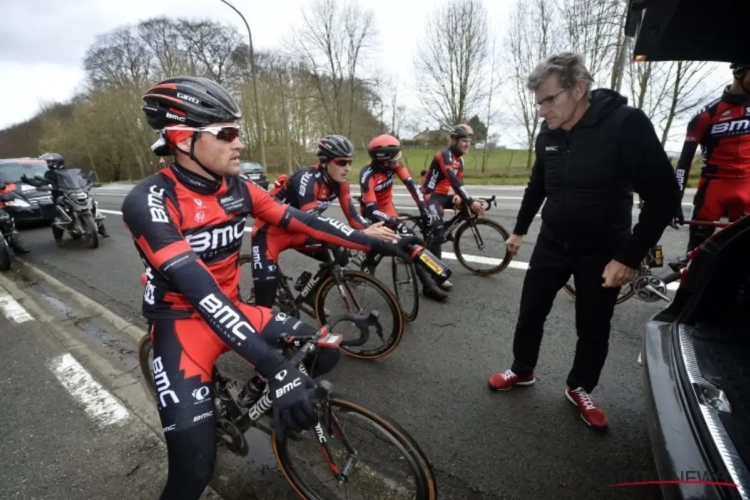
376,186
445,172
722,129
310,190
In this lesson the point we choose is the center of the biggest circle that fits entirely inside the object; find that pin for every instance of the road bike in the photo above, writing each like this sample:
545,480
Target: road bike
404,473
403,276
313,299
646,286
467,224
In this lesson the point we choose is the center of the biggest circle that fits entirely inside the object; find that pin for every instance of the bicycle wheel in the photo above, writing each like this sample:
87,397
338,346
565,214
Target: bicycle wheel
406,288
374,455
145,355
469,259
391,318
626,291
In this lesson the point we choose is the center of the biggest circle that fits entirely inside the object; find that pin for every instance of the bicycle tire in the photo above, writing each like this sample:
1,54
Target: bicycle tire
571,290
144,350
412,313
393,304
459,255
424,475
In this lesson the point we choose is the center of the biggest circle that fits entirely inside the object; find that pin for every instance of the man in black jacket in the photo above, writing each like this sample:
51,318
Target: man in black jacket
592,153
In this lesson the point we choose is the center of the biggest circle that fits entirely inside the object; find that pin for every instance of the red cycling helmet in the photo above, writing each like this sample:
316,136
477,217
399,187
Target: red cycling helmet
384,148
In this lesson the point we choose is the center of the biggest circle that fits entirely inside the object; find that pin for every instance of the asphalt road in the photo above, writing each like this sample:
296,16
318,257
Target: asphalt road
526,443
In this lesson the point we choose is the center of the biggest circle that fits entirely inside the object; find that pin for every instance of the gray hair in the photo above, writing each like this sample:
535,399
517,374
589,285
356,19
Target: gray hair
569,67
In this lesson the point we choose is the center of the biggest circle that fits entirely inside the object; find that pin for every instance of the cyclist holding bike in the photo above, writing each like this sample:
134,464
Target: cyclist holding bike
722,129
187,222
376,184
311,189
446,172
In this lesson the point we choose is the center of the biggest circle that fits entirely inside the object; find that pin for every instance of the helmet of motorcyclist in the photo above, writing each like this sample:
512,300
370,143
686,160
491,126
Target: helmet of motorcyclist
54,160
184,107
335,153
384,149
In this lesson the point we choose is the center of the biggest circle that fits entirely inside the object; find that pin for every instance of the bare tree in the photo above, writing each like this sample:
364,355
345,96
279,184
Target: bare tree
118,58
687,91
450,62
331,46
531,38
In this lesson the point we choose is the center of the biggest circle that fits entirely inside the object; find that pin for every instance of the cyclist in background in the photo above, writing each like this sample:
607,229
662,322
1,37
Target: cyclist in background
722,129
376,185
446,172
311,189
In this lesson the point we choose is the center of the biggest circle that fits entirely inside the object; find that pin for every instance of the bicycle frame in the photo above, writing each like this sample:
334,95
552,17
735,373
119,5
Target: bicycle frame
304,301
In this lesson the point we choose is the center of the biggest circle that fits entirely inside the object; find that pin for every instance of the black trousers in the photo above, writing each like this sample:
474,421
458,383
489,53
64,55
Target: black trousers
550,267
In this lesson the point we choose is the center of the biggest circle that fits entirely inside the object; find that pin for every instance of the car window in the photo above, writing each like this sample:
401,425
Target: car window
11,171
250,166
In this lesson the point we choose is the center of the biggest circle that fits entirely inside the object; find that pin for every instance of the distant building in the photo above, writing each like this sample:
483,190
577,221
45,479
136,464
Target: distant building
428,137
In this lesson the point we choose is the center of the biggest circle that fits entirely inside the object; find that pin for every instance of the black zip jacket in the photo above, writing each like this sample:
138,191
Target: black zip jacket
588,175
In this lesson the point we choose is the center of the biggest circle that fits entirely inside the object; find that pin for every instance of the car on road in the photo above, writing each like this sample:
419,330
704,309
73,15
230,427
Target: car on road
696,352
22,211
255,172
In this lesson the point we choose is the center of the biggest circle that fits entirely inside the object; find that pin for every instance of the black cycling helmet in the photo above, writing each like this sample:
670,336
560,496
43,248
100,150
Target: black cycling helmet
462,131
334,146
54,160
384,148
189,100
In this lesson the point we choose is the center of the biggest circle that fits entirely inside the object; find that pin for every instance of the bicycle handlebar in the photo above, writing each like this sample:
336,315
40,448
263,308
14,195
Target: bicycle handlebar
362,321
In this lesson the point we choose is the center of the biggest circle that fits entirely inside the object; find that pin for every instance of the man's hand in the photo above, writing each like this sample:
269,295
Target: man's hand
380,231
513,244
292,408
617,274
678,218
477,208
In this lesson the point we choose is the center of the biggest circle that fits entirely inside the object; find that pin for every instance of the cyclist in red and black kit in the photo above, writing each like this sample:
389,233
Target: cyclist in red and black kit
376,185
722,129
446,172
187,222
311,189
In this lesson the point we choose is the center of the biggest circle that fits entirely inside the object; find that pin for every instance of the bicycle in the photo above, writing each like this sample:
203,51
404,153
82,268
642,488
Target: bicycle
240,408
314,290
464,220
409,282
645,286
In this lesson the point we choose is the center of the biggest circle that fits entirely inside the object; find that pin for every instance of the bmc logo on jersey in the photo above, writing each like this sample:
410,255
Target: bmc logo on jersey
217,238
734,127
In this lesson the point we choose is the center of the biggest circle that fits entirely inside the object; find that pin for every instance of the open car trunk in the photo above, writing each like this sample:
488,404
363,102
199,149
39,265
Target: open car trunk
714,331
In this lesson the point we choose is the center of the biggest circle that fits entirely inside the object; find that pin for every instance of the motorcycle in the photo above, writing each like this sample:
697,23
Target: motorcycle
5,236
75,209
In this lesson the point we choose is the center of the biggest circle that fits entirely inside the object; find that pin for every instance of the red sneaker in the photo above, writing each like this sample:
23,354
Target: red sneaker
591,413
502,381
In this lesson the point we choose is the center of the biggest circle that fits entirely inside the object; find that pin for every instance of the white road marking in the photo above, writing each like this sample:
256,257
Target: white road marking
520,265
13,310
97,402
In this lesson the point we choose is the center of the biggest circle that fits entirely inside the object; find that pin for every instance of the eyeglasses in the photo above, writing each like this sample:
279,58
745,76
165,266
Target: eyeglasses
227,133
548,102
342,162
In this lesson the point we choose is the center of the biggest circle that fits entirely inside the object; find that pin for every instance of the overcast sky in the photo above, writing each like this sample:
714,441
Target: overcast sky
43,42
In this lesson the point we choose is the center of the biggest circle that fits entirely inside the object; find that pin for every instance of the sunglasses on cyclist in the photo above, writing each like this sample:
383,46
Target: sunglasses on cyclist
342,162
227,133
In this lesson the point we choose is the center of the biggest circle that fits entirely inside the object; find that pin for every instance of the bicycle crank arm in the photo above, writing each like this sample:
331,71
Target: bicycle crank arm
656,292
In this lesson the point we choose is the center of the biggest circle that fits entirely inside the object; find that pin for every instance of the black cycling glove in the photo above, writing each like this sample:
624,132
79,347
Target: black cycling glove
292,408
678,217
397,248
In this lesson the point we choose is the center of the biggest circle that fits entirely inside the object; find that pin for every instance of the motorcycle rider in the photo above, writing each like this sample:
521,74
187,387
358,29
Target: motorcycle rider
55,161
7,226
376,185
721,130
445,172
